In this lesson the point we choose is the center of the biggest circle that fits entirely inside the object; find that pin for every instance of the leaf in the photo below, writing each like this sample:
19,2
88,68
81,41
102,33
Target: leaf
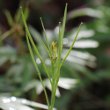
86,44
72,44
7,53
13,103
65,83
79,57
38,38
30,40
61,34
84,12
82,34
9,18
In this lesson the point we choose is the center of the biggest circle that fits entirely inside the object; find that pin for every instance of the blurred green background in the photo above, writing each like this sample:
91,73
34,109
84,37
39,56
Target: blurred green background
86,72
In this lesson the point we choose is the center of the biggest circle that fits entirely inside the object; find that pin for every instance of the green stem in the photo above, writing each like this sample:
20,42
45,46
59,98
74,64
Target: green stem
34,46
53,95
37,69
54,88
68,52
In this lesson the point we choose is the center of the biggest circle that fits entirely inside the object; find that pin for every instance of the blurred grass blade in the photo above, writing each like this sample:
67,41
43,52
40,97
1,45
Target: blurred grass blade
84,12
6,34
17,16
68,52
9,18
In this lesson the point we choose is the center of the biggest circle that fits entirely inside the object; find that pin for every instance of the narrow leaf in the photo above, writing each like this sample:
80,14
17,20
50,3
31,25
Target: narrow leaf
9,18
35,48
38,38
68,52
37,69
47,43
61,33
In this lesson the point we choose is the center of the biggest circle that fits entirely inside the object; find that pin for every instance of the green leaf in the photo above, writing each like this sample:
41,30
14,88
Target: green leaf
61,34
9,18
37,69
47,43
85,12
68,52
38,39
33,44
